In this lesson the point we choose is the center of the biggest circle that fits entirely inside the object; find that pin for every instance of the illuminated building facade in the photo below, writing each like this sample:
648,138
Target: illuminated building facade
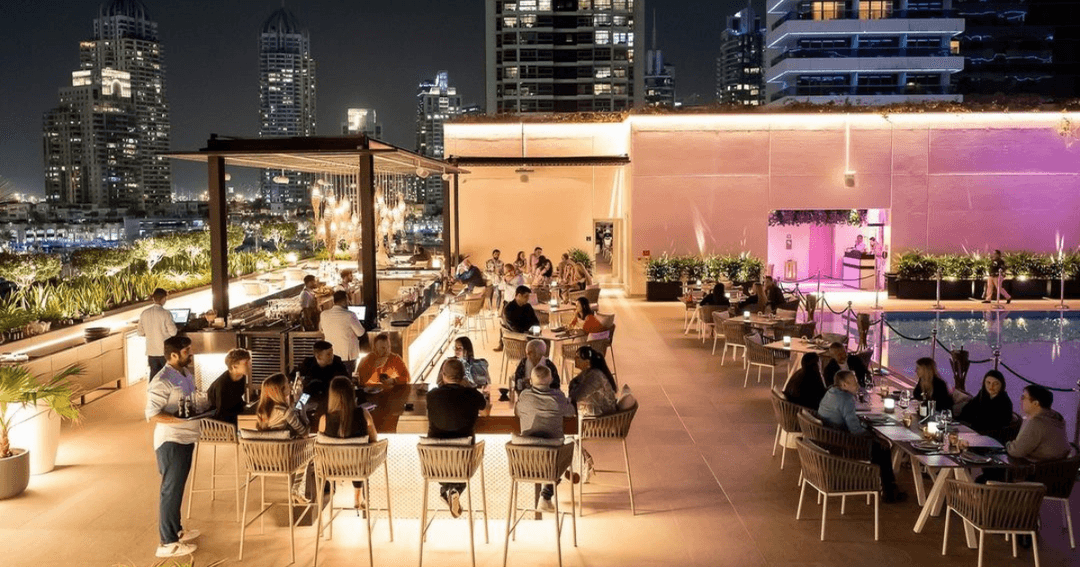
739,68
563,55
362,121
1003,52
436,102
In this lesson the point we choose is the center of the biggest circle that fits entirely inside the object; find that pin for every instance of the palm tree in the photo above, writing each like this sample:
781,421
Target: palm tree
19,387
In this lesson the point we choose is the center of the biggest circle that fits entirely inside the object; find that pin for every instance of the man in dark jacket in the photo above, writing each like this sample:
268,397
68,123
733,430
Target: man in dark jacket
850,362
452,409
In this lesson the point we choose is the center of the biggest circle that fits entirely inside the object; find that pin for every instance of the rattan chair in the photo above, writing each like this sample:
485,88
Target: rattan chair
452,463
718,318
343,462
543,317
833,475
215,434
537,464
734,338
836,441
1009,432
787,423
513,353
835,338
275,459
1059,477
569,354
761,357
592,293
611,427
706,321
805,330
470,310
1001,508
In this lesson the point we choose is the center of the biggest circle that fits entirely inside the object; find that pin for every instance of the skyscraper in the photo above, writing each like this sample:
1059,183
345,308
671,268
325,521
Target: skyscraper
1003,52
362,121
563,55
286,102
118,110
659,76
436,102
740,66
868,52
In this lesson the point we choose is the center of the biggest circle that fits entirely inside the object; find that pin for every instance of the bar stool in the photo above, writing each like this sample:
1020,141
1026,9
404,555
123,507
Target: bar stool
215,434
536,464
611,427
340,461
268,458
451,460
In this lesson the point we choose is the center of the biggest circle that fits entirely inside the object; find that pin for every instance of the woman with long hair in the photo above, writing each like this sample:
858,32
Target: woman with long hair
276,412
585,317
592,392
521,262
476,369
343,420
806,387
931,386
991,408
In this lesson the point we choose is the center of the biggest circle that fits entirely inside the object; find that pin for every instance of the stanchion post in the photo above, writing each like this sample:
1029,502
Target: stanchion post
849,315
933,343
881,343
877,286
1061,304
819,281
997,358
937,304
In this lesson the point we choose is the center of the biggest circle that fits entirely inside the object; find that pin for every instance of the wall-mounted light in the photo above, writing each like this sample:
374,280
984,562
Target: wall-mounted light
282,179
849,179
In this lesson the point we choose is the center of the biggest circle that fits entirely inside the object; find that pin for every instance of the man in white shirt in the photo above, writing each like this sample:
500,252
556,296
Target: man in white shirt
341,328
309,304
174,442
156,324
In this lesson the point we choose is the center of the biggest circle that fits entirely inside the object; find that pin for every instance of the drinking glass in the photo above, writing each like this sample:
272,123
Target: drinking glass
945,417
905,398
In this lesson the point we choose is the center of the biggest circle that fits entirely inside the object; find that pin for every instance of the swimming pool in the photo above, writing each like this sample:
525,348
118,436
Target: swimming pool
1042,346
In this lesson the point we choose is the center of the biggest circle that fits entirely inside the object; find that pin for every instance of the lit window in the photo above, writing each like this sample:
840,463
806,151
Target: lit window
527,5
510,22
875,9
954,47
603,37
827,10
601,88
603,72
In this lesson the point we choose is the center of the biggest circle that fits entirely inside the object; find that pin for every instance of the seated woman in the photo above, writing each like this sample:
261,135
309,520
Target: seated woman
581,278
592,391
276,412
806,387
585,318
520,262
931,386
382,366
756,301
541,274
476,369
716,296
991,408
343,420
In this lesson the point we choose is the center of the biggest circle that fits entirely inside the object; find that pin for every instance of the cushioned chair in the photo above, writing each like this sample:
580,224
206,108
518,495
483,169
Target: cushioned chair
996,508
834,440
1059,477
833,475
787,423
761,357
442,460
734,338
538,464
215,434
340,462
284,459
613,427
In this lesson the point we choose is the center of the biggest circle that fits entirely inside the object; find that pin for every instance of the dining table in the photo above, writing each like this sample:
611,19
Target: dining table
799,346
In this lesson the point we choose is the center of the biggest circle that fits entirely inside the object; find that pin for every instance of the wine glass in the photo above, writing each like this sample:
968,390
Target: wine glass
905,398
945,417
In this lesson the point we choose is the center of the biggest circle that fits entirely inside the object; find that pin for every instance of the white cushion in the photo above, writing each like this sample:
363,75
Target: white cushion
605,319
324,439
520,440
268,435
626,399
464,441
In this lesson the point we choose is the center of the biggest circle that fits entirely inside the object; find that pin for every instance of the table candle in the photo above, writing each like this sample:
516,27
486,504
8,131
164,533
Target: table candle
535,329
890,405
931,427
746,315
554,302
787,340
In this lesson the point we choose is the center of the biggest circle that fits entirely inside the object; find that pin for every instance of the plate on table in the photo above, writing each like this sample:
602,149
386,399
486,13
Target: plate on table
558,329
974,458
926,445
877,419
372,390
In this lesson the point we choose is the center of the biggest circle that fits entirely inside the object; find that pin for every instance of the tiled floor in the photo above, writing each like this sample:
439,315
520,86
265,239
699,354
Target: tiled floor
708,493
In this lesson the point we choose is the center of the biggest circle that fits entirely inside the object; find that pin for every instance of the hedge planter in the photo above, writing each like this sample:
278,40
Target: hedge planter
14,474
1028,289
927,289
663,291
1072,289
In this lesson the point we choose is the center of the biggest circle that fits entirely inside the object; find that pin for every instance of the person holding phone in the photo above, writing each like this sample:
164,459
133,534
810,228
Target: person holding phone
382,366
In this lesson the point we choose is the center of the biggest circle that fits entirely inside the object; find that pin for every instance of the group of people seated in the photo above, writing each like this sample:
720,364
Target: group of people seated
761,297
536,271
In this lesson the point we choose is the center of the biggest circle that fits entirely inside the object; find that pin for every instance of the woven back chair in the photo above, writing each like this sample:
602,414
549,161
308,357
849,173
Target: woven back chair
734,338
513,352
1059,477
1009,432
471,310
543,316
215,434
345,462
707,322
543,294
718,318
786,314
613,427
1002,508
452,463
573,296
835,338
275,459
757,355
787,423
866,356
592,293
835,441
805,330
536,464
833,475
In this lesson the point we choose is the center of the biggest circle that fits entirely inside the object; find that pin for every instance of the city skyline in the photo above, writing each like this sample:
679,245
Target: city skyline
215,45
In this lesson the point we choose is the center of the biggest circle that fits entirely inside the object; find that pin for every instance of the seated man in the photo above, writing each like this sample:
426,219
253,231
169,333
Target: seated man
774,296
206,321
469,274
518,315
1042,436
317,371
837,410
535,355
540,411
381,366
226,394
841,360
452,410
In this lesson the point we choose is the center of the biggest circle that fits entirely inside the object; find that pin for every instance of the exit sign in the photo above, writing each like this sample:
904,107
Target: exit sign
646,253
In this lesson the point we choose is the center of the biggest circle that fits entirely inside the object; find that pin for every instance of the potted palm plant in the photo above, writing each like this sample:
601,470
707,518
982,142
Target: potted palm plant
24,397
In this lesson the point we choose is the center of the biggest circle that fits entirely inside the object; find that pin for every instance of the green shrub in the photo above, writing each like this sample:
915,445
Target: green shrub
581,256
915,265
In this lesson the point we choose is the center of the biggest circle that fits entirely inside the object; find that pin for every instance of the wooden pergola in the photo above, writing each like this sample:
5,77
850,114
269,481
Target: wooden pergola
359,157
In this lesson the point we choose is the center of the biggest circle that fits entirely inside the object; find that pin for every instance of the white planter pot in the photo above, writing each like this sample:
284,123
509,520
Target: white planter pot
40,434
14,474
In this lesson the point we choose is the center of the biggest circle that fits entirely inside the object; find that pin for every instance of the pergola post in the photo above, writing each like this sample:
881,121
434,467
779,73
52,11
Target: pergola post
457,224
447,250
219,236
368,243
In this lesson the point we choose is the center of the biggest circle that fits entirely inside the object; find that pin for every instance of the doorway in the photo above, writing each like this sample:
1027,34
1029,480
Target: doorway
805,243
603,242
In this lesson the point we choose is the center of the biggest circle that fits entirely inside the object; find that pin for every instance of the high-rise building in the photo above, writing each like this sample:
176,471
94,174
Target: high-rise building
436,102
362,121
286,102
862,51
1003,53
117,107
659,76
563,55
740,77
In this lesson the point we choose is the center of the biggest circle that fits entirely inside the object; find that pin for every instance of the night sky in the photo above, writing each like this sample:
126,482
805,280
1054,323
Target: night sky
369,54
